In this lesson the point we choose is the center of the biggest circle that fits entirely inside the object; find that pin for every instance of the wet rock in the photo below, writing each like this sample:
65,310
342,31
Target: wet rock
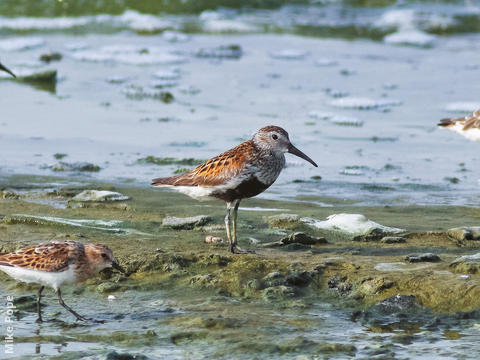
302,238
124,356
393,240
373,286
78,166
341,284
221,52
296,247
425,257
354,227
299,278
398,303
50,56
466,264
187,223
99,196
465,233
209,239
276,293
284,221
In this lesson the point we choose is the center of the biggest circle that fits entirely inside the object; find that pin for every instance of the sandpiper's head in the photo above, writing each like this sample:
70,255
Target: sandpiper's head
274,138
101,257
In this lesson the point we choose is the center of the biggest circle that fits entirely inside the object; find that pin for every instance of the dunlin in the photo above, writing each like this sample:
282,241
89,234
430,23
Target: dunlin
3,68
56,263
242,172
468,126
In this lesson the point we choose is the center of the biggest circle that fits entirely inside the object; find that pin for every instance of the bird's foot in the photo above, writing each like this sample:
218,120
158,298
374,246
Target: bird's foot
82,318
236,250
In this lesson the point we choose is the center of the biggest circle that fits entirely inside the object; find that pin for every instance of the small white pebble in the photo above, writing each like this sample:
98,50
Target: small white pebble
464,276
213,239
111,297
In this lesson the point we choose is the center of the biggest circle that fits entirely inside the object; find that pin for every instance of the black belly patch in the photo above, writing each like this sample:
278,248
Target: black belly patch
247,188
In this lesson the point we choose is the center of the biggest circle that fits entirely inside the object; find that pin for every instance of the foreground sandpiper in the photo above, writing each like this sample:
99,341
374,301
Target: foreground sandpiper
56,263
468,126
242,172
4,68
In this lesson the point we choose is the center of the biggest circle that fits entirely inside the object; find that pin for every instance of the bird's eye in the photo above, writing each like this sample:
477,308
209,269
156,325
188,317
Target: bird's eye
104,256
274,136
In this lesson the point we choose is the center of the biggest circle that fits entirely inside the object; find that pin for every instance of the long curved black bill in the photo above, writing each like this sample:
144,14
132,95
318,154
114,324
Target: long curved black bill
6,70
118,267
293,150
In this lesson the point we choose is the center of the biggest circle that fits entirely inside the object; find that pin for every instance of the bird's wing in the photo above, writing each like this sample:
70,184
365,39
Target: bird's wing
53,256
215,171
472,121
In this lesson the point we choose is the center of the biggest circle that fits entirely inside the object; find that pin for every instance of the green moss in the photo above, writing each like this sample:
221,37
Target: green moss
169,161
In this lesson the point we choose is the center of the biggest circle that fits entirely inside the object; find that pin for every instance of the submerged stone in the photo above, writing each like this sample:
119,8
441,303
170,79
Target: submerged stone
276,293
50,56
425,257
221,52
302,238
187,223
99,196
398,303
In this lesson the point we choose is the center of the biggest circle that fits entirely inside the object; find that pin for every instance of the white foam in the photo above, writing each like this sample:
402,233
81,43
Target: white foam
410,37
289,54
353,224
225,25
364,103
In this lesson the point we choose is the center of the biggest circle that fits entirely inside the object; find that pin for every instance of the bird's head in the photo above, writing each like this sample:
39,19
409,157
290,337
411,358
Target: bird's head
101,257
275,139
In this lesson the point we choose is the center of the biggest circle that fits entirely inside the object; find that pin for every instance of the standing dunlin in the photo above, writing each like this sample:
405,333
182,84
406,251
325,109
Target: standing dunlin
242,172
468,126
55,263
3,68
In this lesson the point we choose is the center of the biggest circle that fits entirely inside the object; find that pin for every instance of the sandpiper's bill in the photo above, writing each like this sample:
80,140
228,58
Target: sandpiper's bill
242,172
4,68
468,126
56,263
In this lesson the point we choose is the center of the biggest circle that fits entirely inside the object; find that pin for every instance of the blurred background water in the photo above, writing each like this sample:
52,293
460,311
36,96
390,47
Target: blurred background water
358,84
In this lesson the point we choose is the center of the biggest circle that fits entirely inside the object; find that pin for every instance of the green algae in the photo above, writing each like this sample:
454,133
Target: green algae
169,161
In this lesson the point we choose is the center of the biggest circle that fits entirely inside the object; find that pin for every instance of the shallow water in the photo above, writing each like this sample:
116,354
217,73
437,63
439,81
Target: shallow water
365,110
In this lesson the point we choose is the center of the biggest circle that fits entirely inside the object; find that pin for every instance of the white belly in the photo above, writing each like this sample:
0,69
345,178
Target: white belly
471,134
52,279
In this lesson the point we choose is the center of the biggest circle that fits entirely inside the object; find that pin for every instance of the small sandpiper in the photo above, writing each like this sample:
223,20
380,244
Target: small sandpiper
55,263
242,172
4,68
468,126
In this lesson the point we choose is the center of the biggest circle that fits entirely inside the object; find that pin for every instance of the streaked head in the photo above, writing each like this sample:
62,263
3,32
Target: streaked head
274,138
101,257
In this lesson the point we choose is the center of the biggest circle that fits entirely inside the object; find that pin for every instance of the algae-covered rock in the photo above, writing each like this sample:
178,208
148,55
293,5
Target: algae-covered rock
78,166
425,257
107,287
99,196
187,223
169,161
373,286
284,221
466,264
50,56
398,303
277,293
465,233
48,76
221,52
393,240
353,227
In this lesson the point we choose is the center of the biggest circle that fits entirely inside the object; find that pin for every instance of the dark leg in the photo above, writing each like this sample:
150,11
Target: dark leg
39,306
234,248
60,300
